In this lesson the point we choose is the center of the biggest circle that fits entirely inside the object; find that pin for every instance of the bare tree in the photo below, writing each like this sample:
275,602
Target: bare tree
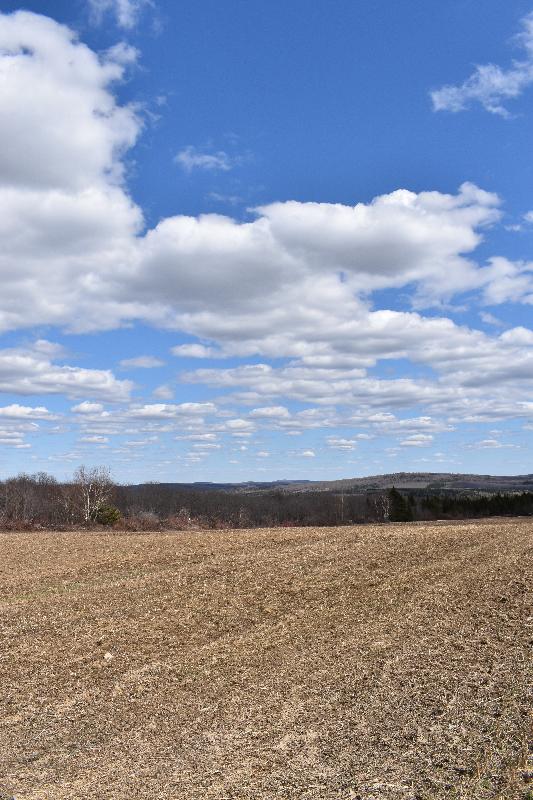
380,504
93,489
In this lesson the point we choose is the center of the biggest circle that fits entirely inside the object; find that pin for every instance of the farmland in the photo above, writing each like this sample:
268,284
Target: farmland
359,663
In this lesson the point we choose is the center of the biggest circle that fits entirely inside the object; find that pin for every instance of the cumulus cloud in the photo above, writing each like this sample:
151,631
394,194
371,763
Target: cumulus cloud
16,411
322,253
239,426
29,371
64,210
468,362
171,410
195,351
518,336
38,151
305,272
417,440
489,84
298,265
508,281
87,408
270,412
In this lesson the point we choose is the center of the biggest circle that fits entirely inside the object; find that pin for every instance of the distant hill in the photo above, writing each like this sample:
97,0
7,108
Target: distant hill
248,486
430,481
434,481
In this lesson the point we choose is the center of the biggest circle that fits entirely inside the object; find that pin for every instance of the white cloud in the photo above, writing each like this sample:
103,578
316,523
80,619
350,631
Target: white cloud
38,150
418,440
491,444
163,392
199,437
239,426
270,412
300,267
87,408
16,411
341,444
63,212
308,454
518,336
490,319
13,439
294,282
191,158
16,423
121,53
508,282
29,371
195,351
489,84
171,411
465,362
142,362
321,386
126,12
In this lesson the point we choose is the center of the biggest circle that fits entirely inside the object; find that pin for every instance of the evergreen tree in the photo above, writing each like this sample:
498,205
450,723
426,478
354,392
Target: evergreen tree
400,510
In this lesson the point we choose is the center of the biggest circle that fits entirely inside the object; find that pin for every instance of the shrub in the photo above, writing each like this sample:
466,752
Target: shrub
107,515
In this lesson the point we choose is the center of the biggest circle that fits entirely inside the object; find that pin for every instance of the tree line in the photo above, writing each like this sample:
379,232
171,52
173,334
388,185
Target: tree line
91,498
421,506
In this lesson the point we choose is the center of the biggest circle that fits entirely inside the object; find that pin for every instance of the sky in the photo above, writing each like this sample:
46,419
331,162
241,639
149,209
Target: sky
256,241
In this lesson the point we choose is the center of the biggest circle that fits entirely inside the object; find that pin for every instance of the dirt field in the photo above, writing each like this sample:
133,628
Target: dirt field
366,662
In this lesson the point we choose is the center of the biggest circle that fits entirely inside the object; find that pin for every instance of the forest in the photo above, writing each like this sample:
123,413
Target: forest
92,499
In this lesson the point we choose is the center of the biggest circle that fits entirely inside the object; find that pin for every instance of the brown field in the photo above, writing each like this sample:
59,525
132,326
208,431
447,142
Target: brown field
363,662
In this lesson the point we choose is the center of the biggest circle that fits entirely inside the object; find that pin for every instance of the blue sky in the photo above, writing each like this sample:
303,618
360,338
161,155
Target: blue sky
256,241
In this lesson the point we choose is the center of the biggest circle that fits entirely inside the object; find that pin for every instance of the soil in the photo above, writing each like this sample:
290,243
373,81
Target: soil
379,662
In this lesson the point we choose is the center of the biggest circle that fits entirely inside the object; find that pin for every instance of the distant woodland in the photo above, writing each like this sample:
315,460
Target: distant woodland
91,499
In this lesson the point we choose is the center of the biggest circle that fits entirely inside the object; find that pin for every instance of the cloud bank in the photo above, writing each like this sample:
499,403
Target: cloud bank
295,283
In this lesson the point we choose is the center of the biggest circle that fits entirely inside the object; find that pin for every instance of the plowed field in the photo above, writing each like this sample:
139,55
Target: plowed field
375,662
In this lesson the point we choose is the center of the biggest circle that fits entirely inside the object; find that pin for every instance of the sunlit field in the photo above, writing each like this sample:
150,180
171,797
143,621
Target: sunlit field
364,662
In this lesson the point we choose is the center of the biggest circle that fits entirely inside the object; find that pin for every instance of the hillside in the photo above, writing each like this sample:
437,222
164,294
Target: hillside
434,481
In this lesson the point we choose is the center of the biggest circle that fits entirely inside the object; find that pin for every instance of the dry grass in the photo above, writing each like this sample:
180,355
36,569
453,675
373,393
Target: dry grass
365,662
